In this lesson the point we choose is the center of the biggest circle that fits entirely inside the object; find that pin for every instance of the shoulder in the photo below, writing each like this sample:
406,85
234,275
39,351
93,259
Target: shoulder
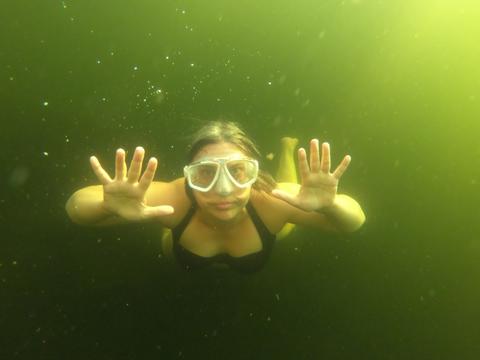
270,209
169,193
276,212
162,193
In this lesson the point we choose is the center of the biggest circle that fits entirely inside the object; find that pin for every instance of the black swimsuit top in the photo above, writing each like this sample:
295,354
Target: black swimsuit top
248,263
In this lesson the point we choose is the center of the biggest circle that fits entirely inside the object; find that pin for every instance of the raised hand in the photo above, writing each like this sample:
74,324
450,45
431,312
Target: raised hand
124,195
318,185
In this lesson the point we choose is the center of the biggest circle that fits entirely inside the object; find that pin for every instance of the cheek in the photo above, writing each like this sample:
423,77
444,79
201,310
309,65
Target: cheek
244,195
200,198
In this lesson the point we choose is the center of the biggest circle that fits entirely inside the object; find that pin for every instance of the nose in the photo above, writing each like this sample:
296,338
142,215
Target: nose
223,185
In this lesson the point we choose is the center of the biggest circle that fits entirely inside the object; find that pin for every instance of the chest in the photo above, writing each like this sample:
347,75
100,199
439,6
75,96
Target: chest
238,240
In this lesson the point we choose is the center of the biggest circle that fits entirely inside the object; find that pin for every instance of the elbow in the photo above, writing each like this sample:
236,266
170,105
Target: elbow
354,226
71,208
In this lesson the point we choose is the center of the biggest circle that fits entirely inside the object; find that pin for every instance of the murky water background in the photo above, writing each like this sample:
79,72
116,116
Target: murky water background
395,84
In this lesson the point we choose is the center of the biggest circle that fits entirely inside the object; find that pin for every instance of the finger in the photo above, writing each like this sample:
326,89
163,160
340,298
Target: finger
314,156
120,166
101,174
148,175
285,196
325,164
342,167
159,211
136,165
302,163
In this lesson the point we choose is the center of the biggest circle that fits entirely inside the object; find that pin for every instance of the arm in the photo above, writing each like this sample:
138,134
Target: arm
86,206
128,197
345,215
316,199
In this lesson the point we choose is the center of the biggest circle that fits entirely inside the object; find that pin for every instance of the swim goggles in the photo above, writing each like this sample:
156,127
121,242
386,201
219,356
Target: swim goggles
202,175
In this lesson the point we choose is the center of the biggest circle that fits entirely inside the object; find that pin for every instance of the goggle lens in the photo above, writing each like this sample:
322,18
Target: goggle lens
202,175
242,172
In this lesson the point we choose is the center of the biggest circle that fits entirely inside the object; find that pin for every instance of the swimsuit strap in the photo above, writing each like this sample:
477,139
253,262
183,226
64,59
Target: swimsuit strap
262,229
178,230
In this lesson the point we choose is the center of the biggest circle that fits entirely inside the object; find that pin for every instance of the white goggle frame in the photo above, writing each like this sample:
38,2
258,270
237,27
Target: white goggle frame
220,163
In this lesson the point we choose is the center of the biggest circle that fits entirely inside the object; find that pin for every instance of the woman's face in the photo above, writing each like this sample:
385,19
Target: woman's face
224,201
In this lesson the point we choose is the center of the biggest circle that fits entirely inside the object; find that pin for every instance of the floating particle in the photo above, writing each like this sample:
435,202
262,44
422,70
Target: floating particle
135,68
305,103
45,103
270,156
45,153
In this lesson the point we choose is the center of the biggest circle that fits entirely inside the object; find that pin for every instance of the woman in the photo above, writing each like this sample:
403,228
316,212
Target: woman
225,209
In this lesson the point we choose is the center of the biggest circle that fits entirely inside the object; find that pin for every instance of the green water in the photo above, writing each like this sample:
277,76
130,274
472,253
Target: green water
395,84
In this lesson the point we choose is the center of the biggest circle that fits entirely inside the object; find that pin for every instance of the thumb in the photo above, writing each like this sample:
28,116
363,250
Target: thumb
162,210
285,196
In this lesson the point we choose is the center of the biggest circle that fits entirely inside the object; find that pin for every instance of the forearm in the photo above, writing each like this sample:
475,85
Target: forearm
345,213
86,208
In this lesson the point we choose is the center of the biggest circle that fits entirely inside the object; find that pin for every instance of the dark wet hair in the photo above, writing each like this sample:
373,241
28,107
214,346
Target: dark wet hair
218,131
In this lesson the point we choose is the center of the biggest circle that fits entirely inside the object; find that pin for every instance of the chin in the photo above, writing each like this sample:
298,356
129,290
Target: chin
225,215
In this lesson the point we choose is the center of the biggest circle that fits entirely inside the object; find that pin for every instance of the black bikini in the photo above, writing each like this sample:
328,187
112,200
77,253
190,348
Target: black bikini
247,264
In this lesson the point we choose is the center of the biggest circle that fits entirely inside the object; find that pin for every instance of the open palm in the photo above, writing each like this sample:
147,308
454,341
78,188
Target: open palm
125,194
318,185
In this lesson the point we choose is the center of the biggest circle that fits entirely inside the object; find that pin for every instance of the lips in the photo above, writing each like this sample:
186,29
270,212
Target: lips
223,205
